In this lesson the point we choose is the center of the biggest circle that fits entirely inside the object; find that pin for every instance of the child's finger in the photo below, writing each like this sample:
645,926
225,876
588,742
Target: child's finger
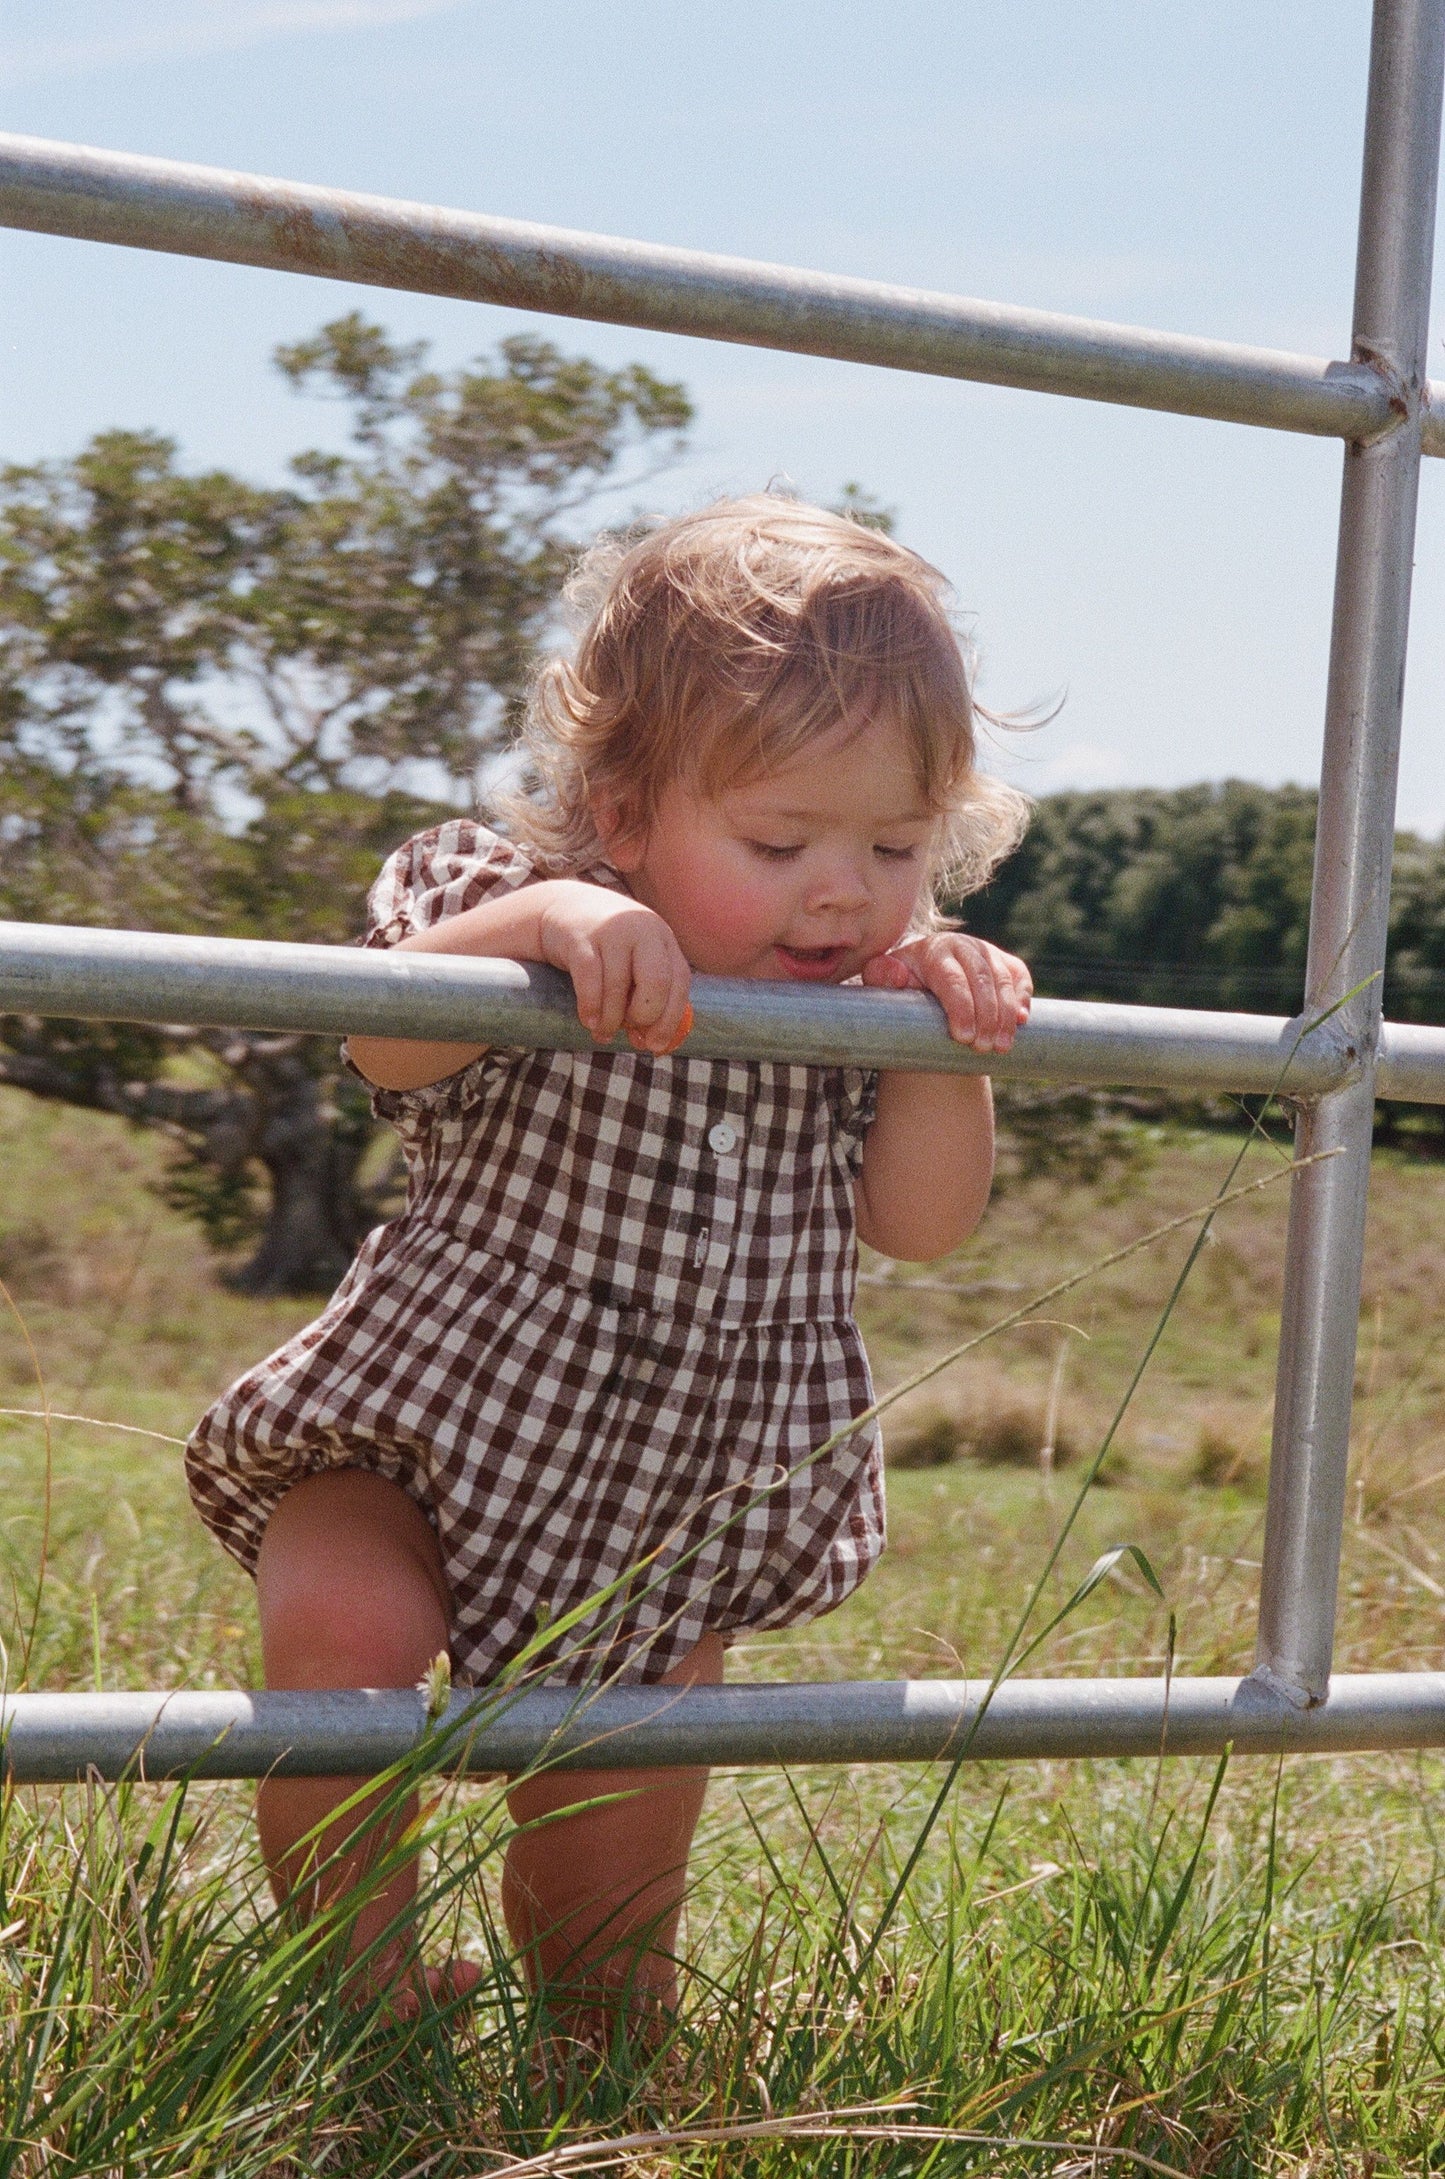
659,1042
661,980
614,960
995,1014
585,970
1016,992
949,981
1009,987
891,972
1008,1019
986,1009
651,973
677,1019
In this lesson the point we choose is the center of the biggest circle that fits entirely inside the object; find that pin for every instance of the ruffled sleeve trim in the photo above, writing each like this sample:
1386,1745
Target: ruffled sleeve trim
436,874
854,1101
442,873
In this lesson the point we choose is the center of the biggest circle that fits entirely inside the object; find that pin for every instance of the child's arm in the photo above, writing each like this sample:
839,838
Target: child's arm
928,1157
627,968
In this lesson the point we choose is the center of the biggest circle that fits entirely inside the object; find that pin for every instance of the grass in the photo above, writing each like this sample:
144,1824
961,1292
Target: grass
1091,1967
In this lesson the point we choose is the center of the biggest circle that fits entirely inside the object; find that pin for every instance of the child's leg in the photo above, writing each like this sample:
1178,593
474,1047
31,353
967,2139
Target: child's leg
351,1593
593,1900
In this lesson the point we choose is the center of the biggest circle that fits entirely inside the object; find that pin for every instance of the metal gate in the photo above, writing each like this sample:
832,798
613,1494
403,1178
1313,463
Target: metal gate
1332,1061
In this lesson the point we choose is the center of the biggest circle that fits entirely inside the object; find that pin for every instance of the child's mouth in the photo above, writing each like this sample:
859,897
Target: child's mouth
817,962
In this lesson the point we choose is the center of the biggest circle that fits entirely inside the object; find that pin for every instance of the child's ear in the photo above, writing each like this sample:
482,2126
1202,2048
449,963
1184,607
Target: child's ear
621,831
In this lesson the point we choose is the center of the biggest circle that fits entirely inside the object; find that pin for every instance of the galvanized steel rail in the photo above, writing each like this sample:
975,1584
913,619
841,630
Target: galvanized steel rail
254,219
1354,844
55,1738
71,973
59,970
1380,404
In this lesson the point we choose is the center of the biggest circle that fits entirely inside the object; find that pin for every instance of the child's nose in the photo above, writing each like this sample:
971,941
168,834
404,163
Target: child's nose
842,884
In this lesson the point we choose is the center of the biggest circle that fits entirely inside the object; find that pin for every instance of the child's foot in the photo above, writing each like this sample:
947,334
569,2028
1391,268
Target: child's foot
407,1988
585,2028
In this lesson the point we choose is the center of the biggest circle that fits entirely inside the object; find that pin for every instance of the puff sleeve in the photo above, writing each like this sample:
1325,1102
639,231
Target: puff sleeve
852,1094
441,873
436,874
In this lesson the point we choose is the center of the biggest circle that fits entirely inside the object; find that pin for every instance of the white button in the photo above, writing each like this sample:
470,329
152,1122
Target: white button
723,1138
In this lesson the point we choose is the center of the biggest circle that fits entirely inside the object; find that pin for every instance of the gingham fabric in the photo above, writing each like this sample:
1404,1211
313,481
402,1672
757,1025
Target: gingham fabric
612,1327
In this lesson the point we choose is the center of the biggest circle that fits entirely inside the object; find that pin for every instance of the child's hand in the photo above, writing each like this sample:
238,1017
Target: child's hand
627,969
985,992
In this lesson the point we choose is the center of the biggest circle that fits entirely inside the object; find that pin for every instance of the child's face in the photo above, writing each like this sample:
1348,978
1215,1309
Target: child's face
806,872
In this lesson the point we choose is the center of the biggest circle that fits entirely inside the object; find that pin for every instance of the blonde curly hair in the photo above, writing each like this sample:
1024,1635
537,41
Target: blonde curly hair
715,647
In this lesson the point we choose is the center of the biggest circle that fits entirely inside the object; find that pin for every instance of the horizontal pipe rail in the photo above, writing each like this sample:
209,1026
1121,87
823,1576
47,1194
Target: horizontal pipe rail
75,973
251,219
53,1739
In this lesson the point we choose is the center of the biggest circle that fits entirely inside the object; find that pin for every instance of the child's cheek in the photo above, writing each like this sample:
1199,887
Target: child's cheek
912,898
738,918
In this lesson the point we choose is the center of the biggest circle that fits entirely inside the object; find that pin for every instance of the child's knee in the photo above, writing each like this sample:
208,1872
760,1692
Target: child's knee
346,1636
329,1641
349,1586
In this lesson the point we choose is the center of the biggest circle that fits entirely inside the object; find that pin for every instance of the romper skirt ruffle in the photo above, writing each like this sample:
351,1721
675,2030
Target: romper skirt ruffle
558,1446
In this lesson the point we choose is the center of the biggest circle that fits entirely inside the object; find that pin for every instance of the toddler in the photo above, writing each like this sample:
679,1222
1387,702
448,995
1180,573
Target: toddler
619,1302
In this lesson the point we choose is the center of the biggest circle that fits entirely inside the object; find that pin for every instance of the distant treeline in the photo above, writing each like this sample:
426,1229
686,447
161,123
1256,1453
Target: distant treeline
1196,897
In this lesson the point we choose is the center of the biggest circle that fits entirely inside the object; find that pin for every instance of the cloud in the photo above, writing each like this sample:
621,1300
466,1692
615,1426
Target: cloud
1081,764
226,26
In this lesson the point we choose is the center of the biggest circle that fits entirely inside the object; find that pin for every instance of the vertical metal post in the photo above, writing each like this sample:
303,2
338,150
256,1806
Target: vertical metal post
1352,856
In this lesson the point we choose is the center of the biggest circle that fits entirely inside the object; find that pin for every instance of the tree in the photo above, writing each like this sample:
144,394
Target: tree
221,704
1198,896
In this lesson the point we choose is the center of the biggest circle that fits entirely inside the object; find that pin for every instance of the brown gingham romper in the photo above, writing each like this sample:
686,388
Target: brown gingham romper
617,1308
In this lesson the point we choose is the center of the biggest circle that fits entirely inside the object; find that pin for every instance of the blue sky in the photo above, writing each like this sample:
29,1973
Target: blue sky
1184,167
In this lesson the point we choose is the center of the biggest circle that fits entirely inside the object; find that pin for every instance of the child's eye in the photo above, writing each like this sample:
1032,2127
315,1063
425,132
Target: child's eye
895,854
770,852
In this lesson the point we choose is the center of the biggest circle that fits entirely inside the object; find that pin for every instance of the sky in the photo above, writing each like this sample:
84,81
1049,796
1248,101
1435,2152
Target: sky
1190,168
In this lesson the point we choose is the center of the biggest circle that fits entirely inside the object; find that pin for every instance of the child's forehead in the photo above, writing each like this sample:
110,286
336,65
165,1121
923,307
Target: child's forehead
870,772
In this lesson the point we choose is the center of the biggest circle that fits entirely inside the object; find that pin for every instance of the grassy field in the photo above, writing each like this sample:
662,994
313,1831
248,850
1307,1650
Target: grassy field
1097,1967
